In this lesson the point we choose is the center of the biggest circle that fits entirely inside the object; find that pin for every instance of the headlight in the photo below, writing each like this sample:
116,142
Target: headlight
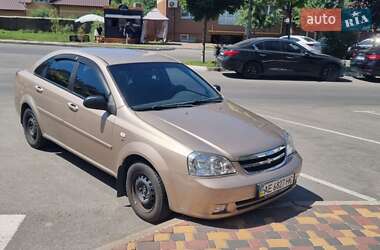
205,164
289,145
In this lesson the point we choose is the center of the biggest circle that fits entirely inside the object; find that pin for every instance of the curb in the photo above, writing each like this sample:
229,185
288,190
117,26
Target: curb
140,235
86,45
104,45
173,222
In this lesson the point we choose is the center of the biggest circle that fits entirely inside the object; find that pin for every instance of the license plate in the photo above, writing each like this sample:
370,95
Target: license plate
270,188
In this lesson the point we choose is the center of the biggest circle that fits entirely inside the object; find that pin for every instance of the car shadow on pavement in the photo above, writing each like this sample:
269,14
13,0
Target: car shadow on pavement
294,203
81,164
281,78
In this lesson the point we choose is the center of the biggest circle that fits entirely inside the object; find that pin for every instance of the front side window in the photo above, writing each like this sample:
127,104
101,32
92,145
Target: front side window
59,72
147,86
292,48
41,70
88,82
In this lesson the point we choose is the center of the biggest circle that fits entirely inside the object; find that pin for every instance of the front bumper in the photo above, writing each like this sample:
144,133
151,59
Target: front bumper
199,197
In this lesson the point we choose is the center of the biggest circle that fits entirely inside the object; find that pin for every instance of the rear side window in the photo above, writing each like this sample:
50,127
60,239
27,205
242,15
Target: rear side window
273,45
59,72
88,81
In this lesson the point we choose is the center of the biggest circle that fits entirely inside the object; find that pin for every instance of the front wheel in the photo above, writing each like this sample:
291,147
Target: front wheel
330,73
146,193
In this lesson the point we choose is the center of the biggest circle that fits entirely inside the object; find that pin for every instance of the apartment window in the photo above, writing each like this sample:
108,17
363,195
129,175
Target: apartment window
186,15
187,38
227,19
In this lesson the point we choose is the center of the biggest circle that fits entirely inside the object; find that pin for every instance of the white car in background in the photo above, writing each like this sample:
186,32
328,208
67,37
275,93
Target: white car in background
305,41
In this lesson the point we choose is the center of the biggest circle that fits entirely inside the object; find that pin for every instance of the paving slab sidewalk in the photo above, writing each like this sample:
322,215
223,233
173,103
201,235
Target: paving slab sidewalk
299,226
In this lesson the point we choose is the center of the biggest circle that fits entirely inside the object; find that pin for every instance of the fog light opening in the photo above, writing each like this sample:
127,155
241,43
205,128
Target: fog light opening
220,209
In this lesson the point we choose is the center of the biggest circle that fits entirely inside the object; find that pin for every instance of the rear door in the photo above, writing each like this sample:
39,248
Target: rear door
52,91
270,55
93,129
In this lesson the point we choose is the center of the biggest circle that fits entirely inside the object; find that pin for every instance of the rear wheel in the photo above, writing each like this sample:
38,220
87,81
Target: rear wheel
32,130
146,193
330,73
251,70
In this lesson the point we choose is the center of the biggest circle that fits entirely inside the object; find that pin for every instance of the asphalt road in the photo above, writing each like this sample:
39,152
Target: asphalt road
68,204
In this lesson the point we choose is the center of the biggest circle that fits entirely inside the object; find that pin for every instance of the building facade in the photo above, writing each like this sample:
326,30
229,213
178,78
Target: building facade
65,8
183,28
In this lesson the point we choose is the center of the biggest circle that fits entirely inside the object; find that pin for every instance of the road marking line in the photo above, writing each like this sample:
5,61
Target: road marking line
322,129
339,188
367,112
8,227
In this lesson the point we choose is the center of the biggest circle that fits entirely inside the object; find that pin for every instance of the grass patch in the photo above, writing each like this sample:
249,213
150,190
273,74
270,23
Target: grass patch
208,64
34,36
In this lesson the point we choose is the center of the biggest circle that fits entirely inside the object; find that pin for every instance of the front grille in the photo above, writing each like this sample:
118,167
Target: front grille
265,160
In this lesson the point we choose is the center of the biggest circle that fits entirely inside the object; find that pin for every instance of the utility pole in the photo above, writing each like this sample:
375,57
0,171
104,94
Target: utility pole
248,31
289,18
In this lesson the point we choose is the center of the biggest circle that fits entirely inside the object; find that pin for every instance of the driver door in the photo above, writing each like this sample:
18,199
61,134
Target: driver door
93,128
297,60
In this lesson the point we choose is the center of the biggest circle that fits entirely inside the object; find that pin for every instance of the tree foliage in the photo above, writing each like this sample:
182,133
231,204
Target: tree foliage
210,9
148,4
265,14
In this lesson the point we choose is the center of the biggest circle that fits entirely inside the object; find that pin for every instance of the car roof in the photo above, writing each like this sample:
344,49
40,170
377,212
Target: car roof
112,56
253,40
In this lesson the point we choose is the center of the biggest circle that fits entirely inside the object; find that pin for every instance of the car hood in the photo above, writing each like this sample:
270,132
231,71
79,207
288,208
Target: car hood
223,128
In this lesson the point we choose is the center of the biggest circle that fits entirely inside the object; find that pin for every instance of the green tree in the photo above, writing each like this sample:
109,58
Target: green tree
265,13
206,10
148,4
54,20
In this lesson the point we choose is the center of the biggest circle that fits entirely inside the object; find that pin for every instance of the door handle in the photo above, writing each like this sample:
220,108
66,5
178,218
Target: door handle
38,89
72,107
263,55
290,57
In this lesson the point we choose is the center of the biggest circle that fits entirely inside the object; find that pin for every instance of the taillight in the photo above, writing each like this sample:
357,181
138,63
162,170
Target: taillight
373,57
231,52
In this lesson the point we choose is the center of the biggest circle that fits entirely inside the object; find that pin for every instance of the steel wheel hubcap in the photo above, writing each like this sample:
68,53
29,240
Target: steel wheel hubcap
31,126
144,191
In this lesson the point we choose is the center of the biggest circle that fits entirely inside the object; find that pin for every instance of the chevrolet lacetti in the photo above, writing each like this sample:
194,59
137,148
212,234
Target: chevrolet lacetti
172,141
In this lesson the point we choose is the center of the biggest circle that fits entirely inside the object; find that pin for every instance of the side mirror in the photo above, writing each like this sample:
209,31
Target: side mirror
96,102
218,88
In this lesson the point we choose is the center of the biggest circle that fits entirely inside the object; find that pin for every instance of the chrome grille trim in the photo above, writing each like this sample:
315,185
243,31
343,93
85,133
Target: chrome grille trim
263,161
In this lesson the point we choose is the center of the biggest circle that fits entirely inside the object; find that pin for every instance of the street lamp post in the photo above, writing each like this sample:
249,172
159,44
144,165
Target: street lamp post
289,18
248,32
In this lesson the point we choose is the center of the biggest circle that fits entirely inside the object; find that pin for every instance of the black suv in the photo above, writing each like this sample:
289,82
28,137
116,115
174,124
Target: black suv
273,56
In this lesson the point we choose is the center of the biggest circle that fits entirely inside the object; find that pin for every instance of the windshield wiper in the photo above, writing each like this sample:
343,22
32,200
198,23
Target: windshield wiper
179,105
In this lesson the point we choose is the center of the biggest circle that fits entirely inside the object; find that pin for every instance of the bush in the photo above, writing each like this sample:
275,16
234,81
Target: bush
43,12
337,43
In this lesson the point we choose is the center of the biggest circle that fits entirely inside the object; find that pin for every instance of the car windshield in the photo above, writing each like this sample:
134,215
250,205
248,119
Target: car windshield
155,86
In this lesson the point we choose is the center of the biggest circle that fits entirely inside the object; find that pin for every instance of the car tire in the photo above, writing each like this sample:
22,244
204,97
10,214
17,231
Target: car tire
146,193
32,130
251,70
330,73
369,78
